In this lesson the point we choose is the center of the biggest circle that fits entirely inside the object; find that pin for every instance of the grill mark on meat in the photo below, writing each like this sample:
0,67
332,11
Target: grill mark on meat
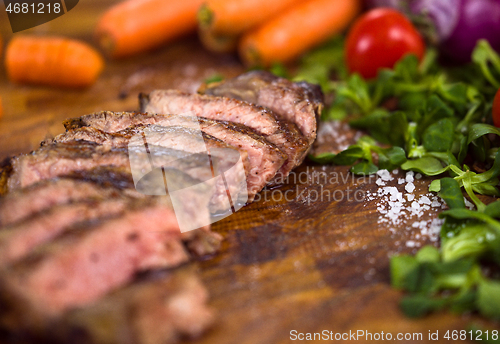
62,274
265,158
158,308
56,160
283,134
25,202
107,176
186,140
18,240
300,103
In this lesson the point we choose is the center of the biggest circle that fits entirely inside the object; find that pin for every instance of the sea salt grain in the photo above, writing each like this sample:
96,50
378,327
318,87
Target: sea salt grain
409,187
435,204
385,175
398,208
424,200
410,243
469,204
409,177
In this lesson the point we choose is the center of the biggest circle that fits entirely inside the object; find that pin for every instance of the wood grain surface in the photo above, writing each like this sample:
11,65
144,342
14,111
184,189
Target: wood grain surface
296,264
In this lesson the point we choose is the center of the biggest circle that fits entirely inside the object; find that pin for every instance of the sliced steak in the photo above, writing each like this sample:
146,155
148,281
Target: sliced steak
23,203
198,154
265,158
160,308
285,135
107,176
300,102
18,240
84,264
56,160
109,121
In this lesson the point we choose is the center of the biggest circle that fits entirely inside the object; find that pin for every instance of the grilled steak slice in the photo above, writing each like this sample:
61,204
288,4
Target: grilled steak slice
285,135
300,103
107,176
159,308
25,202
169,146
265,158
84,264
20,239
56,160
108,121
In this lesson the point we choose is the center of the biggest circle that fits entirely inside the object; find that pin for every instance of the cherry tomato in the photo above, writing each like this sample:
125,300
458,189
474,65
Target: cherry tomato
379,39
496,109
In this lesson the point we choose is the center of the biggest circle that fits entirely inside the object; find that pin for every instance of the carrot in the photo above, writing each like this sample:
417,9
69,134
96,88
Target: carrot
136,26
296,30
1,108
217,43
52,61
230,17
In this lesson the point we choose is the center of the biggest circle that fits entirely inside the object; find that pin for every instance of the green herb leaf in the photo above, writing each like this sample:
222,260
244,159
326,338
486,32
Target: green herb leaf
428,254
385,127
417,306
488,300
323,158
427,165
451,193
364,168
214,78
439,136
493,209
481,129
349,156
484,56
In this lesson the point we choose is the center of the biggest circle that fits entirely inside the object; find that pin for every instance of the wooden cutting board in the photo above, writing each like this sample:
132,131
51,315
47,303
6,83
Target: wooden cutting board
302,263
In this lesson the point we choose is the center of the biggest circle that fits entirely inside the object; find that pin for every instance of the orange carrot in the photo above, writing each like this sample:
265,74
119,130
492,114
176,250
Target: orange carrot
135,26
217,43
296,30
231,17
52,61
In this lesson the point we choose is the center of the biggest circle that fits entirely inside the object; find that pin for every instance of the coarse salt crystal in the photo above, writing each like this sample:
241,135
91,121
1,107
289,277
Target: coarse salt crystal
410,243
424,200
401,180
410,197
409,176
409,187
385,175
435,204
468,204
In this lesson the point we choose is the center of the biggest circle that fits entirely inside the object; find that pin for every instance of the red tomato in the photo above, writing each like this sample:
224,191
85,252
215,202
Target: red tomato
496,109
379,39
